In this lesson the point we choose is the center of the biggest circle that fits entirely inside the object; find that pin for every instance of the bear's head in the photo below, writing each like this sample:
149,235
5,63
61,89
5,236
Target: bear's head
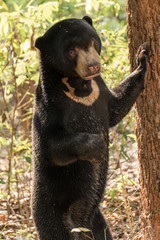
72,48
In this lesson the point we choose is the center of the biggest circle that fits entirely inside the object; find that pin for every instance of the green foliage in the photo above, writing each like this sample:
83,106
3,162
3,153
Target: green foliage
21,23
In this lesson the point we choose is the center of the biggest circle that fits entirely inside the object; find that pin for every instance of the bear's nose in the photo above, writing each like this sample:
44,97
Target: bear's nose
94,68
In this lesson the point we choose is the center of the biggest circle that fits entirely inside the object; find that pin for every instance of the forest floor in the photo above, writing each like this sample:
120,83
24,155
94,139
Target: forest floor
120,205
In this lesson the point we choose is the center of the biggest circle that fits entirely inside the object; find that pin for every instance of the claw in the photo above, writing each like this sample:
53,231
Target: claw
142,52
143,47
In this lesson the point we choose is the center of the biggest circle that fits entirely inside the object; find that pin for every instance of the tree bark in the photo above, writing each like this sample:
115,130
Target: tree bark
143,17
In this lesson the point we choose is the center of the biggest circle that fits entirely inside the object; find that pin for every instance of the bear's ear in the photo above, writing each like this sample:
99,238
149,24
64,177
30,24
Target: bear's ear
88,20
39,43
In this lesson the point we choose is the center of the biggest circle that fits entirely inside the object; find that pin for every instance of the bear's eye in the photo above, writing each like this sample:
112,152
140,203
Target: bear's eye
96,45
72,53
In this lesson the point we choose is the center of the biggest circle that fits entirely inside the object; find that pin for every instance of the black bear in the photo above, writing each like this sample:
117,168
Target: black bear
73,111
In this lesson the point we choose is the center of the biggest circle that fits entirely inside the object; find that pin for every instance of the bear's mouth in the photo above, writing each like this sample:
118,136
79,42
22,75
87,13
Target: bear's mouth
91,76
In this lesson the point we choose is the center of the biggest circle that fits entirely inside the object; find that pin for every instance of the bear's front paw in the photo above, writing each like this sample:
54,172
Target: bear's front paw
142,54
91,147
98,149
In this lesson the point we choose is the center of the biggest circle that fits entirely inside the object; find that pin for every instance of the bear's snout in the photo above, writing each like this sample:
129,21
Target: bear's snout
94,68
88,63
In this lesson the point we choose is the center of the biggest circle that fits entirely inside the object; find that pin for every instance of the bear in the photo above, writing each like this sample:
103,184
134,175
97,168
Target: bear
73,111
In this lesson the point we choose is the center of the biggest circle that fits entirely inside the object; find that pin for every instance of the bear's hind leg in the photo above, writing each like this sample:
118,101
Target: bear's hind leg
49,222
99,226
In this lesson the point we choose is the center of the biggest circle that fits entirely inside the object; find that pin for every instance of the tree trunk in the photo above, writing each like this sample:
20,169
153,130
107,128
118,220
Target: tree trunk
144,26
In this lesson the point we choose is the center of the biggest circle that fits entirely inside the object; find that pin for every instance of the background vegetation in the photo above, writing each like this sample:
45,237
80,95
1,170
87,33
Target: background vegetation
21,22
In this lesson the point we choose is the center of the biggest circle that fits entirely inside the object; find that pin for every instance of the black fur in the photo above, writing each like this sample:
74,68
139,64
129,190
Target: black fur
70,139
